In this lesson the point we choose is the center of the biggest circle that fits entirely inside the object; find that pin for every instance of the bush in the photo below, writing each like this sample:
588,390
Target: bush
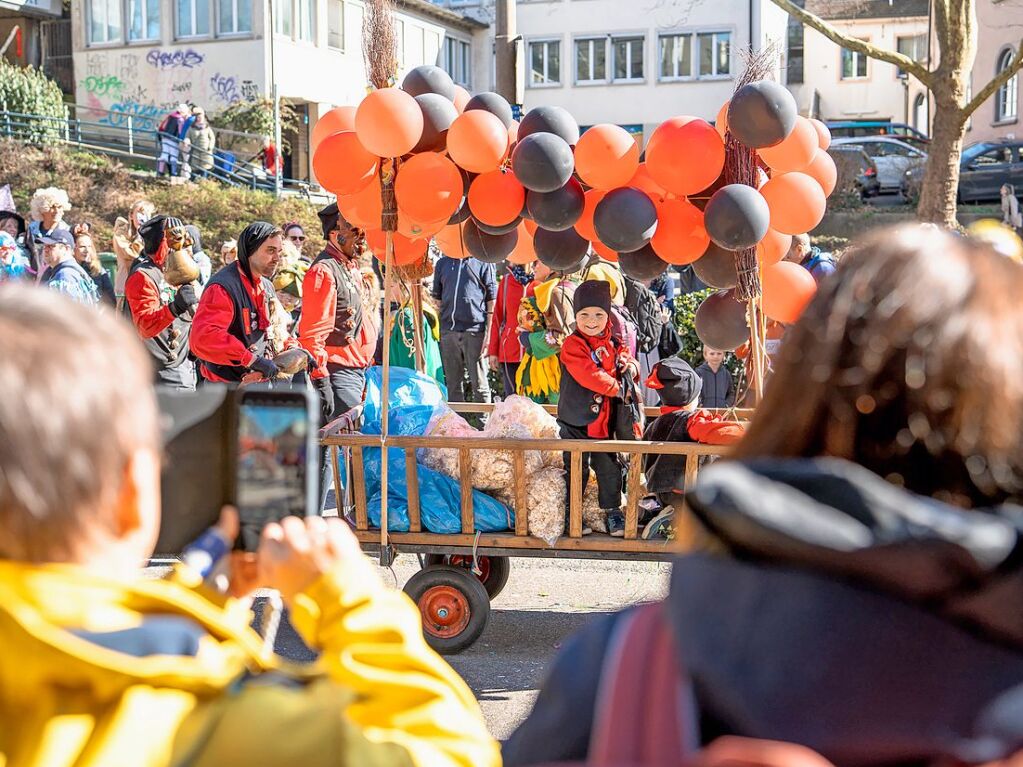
27,90
254,117
685,322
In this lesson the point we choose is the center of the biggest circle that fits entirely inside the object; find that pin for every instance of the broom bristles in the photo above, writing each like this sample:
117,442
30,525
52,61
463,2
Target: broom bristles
379,43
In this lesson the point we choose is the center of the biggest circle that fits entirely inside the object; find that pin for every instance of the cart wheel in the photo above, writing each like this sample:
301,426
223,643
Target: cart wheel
495,569
453,604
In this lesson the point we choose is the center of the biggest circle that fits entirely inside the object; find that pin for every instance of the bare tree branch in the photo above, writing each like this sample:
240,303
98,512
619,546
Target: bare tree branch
1001,79
905,63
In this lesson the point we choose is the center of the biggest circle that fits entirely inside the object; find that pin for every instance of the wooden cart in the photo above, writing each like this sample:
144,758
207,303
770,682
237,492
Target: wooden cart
462,572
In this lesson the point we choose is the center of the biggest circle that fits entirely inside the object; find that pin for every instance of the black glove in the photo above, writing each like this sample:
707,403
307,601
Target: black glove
326,397
264,367
184,300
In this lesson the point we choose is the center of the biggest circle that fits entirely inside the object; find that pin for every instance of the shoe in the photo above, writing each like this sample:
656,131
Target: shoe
615,523
587,530
661,525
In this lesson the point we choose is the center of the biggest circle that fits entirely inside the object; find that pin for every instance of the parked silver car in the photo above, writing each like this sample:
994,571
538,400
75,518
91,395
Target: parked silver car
892,157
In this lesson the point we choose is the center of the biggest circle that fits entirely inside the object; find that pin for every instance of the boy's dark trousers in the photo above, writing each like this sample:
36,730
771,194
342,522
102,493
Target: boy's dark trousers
607,467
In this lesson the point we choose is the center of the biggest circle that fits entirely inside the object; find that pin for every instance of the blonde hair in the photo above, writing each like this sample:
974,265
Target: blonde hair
45,199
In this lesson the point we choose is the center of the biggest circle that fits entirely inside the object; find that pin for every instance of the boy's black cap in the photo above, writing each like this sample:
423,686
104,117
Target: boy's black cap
677,384
592,293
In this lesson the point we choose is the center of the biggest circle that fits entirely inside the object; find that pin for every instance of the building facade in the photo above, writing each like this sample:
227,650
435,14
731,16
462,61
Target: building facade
998,31
33,33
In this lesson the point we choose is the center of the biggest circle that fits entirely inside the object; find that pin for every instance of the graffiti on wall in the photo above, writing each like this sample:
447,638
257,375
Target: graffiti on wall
102,85
186,59
225,89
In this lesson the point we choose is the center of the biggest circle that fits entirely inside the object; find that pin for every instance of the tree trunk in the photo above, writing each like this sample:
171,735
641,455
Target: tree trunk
941,176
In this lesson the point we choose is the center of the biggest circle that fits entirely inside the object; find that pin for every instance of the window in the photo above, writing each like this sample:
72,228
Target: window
433,49
627,58
193,18
145,20
1000,156
414,44
456,60
676,53
715,53
282,17
794,61
591,60
235,17
854,65
104,21
914,47
1008,95
545,62
336,24
306,21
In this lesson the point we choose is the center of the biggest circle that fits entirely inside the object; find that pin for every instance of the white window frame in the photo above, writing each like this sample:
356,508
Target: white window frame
399,41
546,42
279,18
697,47
674,36
300,18
918,55
340,6
107,41
627,38
129,5
1007,96
594,41
209,21
233,31
463,55
842,53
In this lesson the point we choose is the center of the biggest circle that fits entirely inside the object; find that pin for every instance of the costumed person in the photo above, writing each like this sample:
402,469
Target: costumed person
229,334
503,349
228,253
128,243
288,285
47,209
14,224
88,259
597,373
403,345
199,255
557,309
622,323
679,388
14,265
62,272
169,138
539,373
271,160
161,312
202,144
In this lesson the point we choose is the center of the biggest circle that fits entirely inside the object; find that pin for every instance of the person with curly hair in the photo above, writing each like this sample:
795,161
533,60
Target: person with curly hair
47,209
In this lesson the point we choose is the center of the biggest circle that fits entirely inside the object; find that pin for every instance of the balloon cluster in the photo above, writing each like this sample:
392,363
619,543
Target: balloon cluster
481,184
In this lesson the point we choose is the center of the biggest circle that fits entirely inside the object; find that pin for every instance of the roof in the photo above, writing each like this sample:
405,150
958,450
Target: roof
426,8
868,9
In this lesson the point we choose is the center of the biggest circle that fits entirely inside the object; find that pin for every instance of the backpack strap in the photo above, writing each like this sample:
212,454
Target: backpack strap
645,711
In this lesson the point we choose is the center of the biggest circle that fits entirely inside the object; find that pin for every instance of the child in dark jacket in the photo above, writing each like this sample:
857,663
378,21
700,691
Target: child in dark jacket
679,388
594,369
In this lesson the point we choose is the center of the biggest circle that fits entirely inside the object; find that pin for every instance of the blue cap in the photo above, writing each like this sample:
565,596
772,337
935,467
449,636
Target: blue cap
57,237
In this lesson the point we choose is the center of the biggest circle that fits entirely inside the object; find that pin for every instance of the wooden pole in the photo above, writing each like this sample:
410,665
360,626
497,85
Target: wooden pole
418,339
385,384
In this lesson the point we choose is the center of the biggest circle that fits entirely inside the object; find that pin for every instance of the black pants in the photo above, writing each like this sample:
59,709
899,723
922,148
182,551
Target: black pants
508,371
347,385
607,467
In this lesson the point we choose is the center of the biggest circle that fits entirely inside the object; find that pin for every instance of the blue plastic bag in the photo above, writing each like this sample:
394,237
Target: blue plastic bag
413,399
440,499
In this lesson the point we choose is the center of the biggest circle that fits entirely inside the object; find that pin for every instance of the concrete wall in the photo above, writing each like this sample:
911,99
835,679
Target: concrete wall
998,28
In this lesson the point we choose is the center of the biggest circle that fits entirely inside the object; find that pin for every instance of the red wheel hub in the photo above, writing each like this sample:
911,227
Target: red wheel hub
445,611
461,560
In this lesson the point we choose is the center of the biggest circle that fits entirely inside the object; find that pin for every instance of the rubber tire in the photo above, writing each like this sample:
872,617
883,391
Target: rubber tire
470,587
497,578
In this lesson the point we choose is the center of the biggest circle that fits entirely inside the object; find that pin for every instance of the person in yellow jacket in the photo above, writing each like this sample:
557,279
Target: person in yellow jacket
101,668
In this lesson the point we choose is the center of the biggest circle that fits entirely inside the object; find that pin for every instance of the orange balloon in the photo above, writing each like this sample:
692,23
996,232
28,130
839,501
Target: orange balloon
823,134
531,226
478,141
685,155
389,122
334,121
797,202
416,230
606,157
788,288
513,132
406,251
496,198
364,208
342,165
604,251
681,237
721,122
642,180
428,187
461,98
451,242
824,171
774,247
584,226
524,252
795,152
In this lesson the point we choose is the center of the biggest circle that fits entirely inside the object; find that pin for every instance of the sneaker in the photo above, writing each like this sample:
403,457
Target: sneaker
587,530
615,523
661,525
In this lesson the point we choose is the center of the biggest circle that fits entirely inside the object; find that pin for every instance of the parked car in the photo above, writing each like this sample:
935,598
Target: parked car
892,157
983,168
855,168
863,128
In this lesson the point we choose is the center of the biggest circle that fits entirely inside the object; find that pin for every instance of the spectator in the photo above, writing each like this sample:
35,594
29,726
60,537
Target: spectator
818,263
13,264
13,224
88,259
867,534
228,253
504,352
555,301
110,668
467,291
169,135
288,282
403,346
295,234
663,288
199,255
203,143
62,272
128,243
270,158
717,385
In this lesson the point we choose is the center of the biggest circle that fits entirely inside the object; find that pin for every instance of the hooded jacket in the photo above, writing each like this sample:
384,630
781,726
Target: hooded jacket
98,673
869,624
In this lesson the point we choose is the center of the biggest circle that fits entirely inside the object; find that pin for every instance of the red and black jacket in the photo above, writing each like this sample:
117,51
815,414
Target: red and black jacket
147,299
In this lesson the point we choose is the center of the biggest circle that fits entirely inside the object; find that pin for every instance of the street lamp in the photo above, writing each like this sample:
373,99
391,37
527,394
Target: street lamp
904,79
275,96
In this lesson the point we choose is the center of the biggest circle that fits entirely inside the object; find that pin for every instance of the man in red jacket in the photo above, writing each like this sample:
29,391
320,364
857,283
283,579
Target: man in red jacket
162,314
229,331
504,351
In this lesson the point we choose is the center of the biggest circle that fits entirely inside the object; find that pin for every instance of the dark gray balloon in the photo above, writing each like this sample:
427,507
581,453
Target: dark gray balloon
542,162
429,79
503,229
494,103
762,114
721,321
491,248
554,120
557,210
438,114
737,217
461,214
562,251
716,267
643,264
625,219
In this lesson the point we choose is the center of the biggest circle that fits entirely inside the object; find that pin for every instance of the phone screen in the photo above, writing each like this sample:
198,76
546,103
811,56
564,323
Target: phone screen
272,459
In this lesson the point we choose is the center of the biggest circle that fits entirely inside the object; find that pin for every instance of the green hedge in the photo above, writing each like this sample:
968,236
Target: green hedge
27,90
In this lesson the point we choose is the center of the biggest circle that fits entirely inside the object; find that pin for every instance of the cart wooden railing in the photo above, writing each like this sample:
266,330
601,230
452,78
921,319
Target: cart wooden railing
650,411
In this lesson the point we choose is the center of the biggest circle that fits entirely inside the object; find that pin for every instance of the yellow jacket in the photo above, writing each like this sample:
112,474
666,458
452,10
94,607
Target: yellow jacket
377,696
